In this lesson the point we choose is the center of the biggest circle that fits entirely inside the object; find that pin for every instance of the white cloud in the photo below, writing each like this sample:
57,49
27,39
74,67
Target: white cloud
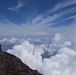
62,63
71,17
40,25
12,29
44,19
68,2
11,40
18,6
62,5
69,33
57,37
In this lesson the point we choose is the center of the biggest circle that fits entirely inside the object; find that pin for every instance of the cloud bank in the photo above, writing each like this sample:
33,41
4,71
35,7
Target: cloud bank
62,62
11,40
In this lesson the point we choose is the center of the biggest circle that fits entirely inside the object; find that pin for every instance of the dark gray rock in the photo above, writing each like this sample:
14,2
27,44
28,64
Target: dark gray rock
11,65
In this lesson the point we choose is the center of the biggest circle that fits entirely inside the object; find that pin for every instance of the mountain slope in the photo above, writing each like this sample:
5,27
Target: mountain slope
11,65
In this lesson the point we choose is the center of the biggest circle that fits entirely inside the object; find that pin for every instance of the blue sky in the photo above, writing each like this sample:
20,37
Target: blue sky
35,17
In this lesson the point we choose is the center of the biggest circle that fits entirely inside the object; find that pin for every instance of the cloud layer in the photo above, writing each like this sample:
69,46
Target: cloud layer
62,60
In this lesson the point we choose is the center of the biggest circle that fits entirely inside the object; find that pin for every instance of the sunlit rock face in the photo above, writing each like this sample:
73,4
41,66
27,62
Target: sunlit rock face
11,65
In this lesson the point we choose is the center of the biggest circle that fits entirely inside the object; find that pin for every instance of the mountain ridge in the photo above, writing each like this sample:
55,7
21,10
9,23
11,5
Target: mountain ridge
12,65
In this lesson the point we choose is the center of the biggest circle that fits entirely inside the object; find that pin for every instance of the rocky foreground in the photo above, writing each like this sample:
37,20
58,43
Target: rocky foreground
11,65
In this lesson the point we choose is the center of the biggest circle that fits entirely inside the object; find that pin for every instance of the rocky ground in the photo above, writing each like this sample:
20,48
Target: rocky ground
11,65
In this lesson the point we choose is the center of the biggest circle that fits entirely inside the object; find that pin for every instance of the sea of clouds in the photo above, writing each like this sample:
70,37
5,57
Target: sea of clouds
61,60
55,58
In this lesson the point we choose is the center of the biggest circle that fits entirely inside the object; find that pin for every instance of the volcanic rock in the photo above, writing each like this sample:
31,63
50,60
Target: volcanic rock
11,65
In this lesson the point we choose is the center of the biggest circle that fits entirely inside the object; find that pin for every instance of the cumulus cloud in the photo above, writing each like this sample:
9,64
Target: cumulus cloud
5,40
57,37
11,40
69,33
63,62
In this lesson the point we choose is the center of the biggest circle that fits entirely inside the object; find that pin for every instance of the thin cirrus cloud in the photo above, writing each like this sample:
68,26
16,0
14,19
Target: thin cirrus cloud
51,20
60,6
65,19
18,6
43,18
63,4
41,24
32,28
13,29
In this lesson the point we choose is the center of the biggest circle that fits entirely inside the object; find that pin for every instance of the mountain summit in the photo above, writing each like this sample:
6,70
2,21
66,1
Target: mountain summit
11,65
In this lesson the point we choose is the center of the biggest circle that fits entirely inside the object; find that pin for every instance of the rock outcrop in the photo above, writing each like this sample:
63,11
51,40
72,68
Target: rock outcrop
11,65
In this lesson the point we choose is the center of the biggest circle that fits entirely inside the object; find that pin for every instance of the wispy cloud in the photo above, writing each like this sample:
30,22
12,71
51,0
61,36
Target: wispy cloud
13,29
61,5
18,6
41,24
52,19
68,3
38,25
